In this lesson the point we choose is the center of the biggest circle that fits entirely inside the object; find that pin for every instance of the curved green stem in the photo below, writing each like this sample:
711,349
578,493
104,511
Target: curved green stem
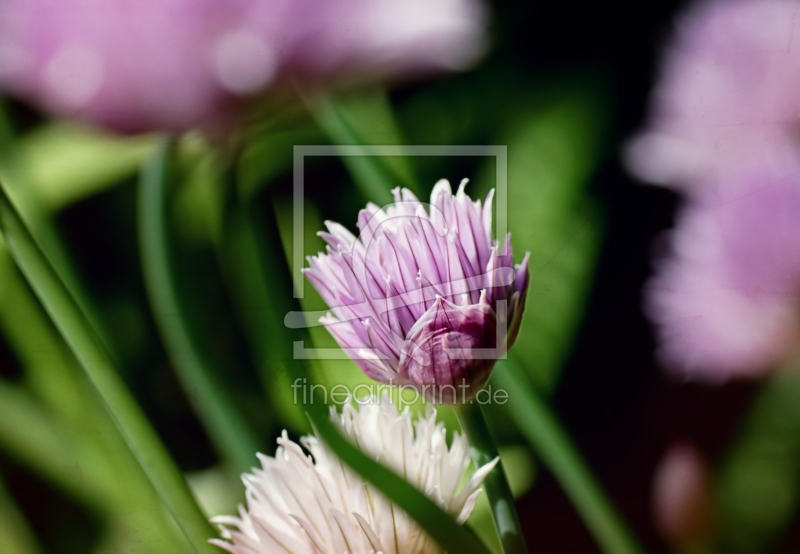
548,438
484,450
227,428
247,272
96,363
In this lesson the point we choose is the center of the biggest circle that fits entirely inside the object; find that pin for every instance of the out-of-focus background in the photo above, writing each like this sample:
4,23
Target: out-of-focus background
564,85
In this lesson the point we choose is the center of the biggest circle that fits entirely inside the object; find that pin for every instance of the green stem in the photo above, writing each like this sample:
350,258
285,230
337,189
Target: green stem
484,450
95,361
375,176
222,419
43,229
548,438
247,271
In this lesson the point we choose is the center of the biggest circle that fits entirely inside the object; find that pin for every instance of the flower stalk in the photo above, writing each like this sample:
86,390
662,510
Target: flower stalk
483,450
541,427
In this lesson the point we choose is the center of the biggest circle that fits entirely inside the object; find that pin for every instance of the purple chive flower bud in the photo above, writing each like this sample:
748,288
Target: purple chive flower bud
144,65
423,296
725,300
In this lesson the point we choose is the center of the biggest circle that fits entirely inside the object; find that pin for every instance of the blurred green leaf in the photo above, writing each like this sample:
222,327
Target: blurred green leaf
266,157
366,119
42,443
759,485
246,268
19,186
213,490
551,156
93,358
63,432
48,368
65,162
17,537
200,379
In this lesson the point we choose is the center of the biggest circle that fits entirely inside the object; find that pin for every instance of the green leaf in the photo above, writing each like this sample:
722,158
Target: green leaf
95,361
266,157
247,272
83,463
219,415
551,156
560,282
759,484
65,162
63,431
42,443
363,121
18,185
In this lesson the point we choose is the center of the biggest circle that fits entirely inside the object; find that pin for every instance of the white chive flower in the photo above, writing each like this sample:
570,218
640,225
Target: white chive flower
307,501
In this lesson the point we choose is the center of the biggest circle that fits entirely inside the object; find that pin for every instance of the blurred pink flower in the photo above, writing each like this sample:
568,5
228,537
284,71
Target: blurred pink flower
382,38
726,100
726,299
140,65
137,65
724,127
682,496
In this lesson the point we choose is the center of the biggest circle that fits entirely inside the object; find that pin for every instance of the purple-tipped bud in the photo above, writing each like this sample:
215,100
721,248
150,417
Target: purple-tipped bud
444,347
423,296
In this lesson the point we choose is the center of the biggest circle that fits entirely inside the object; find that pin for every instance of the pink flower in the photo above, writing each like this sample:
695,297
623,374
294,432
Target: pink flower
137,65
141,65
726,300
423,296
382,37
726,100
725,128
